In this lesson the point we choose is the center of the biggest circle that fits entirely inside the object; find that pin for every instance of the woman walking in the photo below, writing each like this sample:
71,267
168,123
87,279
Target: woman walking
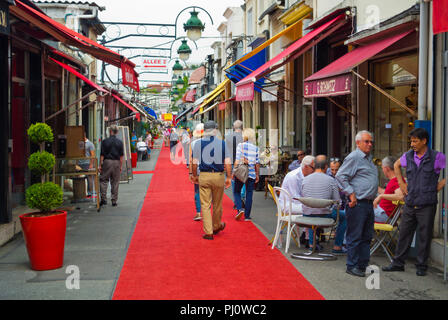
247,152
197,134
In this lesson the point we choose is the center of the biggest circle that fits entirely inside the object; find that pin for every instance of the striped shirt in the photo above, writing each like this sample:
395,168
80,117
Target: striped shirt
319,185
250,152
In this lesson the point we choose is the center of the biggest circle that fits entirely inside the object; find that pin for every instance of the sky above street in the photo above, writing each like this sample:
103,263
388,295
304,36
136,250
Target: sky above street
161,12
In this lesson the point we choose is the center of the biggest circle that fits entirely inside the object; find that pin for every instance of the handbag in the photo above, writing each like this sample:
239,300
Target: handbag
241,172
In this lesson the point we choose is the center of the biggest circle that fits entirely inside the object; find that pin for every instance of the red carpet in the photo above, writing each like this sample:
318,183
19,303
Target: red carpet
168,259
143,172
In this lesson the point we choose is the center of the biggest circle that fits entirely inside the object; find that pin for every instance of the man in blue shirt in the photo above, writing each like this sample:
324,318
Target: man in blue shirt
211,155
358,179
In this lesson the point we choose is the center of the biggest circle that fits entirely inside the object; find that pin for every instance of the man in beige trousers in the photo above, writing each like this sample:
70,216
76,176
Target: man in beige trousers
211,155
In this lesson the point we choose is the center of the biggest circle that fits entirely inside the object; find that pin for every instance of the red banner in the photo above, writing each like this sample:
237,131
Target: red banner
335,86
440,16
129,77
245,92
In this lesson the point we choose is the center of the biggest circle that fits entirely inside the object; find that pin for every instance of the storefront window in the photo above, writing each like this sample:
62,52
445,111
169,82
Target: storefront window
390,123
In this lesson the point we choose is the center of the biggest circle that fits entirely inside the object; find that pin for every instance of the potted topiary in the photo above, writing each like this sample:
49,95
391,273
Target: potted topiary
44,231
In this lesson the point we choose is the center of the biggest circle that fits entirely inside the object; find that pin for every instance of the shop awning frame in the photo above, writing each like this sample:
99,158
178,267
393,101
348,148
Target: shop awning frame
270,41
336,78
210,108
296,49
97,89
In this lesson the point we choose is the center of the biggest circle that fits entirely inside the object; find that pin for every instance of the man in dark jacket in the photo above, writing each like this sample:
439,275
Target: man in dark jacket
423,167
111,161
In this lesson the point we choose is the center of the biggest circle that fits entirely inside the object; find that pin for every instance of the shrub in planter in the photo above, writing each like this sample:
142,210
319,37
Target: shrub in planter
41,162
44,232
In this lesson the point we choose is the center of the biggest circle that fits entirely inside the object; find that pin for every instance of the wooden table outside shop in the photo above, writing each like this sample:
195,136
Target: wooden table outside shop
57,172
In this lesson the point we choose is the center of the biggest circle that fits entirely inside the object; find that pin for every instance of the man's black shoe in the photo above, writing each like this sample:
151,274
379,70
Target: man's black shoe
114,204
391,267
421,272
356,272
103,202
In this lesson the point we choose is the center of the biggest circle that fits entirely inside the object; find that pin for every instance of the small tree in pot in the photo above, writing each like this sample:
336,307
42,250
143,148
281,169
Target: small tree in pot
44,231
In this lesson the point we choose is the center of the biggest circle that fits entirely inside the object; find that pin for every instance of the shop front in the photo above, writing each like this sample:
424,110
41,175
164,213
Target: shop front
5,212
375,85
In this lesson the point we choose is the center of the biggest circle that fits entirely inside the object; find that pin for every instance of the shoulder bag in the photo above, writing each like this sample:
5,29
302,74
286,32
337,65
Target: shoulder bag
241,172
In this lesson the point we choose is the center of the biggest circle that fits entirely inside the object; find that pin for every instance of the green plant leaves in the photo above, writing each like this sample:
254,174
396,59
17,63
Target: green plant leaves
41,162
40,132
44,196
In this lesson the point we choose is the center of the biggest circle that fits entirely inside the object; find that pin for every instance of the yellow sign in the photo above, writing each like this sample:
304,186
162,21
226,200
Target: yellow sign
167,117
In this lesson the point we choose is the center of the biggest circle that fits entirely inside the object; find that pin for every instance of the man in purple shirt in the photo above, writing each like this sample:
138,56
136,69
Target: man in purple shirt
423,166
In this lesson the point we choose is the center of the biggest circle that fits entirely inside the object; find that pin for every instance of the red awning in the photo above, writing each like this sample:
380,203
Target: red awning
67,36
80,76
335,79
292,52
440,14
189,96
137,114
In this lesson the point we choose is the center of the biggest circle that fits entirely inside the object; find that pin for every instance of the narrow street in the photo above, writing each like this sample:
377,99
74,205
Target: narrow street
117,261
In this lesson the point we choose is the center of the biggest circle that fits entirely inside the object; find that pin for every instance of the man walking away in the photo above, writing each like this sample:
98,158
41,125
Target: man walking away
212,157
111,161
423,166
358,178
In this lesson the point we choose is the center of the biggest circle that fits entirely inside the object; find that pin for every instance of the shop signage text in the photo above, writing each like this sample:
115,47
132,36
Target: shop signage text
4,18
157,63
129,77
328,87
245,92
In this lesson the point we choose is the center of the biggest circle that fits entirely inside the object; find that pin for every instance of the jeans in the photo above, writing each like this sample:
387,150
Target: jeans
360,222
197,198
243,190
250,184
380,215
340,230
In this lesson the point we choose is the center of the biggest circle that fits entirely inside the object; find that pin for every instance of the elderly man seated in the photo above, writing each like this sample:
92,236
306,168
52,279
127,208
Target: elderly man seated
296,163
319,185
383,206
292,184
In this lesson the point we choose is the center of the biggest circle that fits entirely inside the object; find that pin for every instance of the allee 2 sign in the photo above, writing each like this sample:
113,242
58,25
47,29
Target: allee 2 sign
157,63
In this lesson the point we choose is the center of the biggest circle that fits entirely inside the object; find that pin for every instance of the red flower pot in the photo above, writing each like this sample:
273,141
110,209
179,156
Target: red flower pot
45,240
134,157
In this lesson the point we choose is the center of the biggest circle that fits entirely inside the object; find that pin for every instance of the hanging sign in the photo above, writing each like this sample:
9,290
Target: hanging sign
155,63
129,77
245,92
4,18
335,86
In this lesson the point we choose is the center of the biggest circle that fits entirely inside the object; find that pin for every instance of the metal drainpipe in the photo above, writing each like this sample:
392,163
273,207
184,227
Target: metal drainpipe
423,61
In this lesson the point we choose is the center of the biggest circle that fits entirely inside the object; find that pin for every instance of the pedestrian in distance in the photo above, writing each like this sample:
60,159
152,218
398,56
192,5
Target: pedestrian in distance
423,166
358,178
212,157
247,152
89,164
111,161
174,139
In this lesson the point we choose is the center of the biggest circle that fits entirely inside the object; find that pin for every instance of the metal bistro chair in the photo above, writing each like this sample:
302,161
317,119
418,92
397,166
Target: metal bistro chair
316,223
284,218
284,223
385,232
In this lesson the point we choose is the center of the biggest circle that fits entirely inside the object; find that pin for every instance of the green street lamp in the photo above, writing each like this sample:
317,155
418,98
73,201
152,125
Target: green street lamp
179,83
184,51
194,27
175,92
177,68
